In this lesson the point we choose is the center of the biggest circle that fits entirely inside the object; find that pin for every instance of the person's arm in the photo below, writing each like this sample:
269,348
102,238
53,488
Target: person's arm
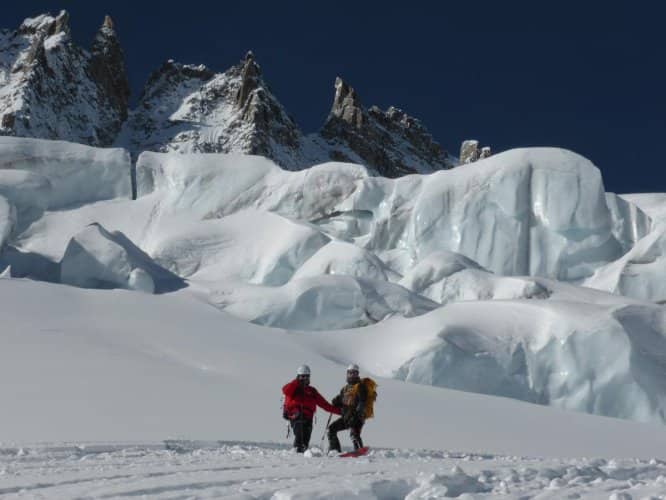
325,404
337,401
289,389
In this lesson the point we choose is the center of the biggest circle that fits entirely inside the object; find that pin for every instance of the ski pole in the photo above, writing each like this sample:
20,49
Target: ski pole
321,443
288,429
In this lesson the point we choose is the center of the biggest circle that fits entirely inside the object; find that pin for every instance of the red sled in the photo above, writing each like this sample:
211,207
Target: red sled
356,453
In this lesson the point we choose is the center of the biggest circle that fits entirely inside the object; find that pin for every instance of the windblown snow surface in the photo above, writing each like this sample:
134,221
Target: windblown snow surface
144,342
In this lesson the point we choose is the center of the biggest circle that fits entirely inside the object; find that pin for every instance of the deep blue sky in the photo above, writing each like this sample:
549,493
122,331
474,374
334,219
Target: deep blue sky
590,78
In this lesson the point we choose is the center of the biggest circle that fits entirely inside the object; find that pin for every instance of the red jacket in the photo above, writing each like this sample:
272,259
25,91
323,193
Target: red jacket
303,401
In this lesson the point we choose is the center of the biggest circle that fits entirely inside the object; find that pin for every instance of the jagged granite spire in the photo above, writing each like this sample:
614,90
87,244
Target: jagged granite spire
346,104
250,79
390,142
107,66
49,88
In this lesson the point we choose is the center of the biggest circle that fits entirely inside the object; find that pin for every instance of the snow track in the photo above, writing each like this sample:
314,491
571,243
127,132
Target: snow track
186,469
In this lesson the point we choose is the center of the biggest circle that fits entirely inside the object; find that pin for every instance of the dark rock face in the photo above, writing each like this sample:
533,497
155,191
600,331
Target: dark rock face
107,67
250,80
390,142
53,89
260,109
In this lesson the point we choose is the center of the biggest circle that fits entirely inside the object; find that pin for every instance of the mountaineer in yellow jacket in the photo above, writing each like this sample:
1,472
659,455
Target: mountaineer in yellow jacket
351,401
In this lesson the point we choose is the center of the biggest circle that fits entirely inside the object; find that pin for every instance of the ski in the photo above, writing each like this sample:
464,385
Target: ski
356,453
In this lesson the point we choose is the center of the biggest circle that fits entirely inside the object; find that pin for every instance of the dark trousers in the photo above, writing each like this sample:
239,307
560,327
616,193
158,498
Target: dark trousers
302,429
342,424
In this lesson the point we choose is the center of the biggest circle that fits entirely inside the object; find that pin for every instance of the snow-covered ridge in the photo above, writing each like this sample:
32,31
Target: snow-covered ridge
191,109
52,89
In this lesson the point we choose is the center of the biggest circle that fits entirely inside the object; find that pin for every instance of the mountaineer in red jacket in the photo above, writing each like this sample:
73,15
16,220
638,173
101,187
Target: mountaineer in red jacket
300,403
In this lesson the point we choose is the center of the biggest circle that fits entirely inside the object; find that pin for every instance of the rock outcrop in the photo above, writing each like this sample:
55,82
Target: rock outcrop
470,152
107,67
390,142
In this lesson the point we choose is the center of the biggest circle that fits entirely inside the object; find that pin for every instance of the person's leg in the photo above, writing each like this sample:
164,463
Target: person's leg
296,432
333,429
297,426
307,432
356,435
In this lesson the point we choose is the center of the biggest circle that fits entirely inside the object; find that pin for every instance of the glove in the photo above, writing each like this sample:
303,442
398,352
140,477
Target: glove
337,401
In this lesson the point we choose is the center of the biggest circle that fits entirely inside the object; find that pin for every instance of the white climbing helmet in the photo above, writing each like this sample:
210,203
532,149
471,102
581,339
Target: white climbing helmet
303,370
352,368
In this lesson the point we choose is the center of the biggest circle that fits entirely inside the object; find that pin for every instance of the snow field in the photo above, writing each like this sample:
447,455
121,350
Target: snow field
182,469
169,366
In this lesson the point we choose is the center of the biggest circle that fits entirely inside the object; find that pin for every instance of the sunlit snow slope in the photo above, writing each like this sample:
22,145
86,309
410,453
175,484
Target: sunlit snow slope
82,364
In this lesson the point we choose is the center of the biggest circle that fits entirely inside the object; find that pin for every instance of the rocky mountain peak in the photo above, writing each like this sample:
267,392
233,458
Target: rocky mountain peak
250,74
62,23
193,109
28,41
346,104
106,37
107,66
108,23
53,89
45,25
390,142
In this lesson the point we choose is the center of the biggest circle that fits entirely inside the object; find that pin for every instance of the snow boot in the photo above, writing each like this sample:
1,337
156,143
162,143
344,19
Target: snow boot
356,440
334,443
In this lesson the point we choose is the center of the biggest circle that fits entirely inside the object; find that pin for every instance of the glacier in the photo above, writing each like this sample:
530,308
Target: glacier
96,258
503,212
62,174
481,278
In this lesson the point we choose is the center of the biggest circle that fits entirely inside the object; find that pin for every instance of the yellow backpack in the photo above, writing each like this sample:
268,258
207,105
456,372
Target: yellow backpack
371,387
